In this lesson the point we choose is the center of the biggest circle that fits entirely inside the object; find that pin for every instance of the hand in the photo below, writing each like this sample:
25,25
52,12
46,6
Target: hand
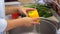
26,21
24,10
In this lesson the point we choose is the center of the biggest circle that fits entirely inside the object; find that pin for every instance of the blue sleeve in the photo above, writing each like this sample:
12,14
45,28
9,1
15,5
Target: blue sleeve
3,25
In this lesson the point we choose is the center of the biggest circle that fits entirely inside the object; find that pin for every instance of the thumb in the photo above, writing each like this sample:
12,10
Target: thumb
24,11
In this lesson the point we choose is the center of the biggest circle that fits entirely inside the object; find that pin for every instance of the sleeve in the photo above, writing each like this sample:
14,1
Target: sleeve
3,24
41,2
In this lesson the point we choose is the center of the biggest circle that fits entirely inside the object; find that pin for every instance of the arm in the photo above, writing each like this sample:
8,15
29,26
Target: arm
11,9
10,24
13,24
14,9
6,25
26,21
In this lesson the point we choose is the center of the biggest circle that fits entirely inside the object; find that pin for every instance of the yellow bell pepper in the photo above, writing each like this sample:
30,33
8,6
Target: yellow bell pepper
33,14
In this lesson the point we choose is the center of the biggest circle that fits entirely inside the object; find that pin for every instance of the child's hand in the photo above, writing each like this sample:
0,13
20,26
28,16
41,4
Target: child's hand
26,21
24,10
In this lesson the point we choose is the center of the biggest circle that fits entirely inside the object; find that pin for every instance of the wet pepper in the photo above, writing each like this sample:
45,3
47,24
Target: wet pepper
33,14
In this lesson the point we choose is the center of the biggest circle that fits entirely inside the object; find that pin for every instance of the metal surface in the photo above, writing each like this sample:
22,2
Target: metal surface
45,27
55,14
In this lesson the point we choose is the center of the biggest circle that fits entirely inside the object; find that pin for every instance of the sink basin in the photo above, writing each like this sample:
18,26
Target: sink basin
45,27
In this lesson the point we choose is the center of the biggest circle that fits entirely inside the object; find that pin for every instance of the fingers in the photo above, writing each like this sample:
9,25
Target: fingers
24,11
35,23
37,18
29,9
28,25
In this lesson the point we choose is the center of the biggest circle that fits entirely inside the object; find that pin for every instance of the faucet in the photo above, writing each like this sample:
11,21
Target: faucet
56,3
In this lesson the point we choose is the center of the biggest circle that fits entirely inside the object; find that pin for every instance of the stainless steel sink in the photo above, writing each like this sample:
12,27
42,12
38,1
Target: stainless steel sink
45,27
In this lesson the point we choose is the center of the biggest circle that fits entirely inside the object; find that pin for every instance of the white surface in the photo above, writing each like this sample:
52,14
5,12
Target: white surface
12,3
